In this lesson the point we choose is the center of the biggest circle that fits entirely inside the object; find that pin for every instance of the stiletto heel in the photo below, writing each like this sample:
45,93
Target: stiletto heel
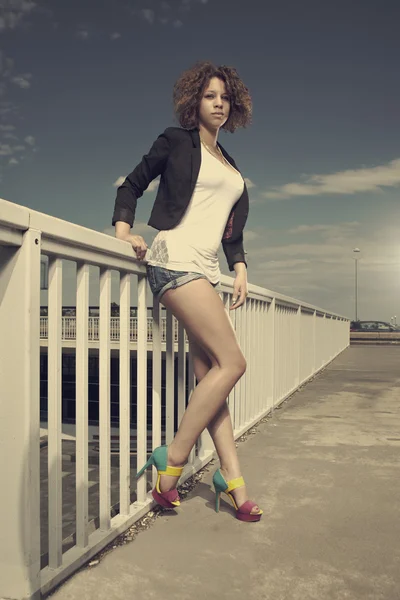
243,512
159,459
217,496
146,466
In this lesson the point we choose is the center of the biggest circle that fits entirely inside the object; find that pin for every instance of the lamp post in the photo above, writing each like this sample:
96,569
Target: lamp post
356,251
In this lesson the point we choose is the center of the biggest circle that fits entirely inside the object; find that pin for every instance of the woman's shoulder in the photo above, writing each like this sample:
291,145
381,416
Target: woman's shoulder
178,133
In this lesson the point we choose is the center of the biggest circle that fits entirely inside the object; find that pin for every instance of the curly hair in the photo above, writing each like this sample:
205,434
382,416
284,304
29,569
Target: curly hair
190,86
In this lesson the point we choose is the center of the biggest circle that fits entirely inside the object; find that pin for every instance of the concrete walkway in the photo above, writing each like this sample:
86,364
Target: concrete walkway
325,469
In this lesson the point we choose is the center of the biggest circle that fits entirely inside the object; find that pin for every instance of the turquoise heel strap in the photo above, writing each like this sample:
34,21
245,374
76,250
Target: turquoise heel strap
219,482
159,459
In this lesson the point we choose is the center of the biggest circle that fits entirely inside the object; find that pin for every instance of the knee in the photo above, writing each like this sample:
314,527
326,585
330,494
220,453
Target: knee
243,366
239,366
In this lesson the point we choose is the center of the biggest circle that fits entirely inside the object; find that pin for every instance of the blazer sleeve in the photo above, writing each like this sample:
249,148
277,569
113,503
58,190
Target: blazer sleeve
233,249
234,252
151,165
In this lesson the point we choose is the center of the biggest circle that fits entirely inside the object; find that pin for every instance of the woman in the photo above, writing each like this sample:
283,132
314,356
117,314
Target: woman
202,200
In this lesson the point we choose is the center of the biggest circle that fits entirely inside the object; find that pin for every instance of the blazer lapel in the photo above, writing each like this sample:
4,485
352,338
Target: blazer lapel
196,158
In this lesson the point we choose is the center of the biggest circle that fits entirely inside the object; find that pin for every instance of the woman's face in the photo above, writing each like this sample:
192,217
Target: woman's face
214,105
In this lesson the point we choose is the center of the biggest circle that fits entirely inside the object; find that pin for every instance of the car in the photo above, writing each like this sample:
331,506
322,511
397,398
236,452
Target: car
372,326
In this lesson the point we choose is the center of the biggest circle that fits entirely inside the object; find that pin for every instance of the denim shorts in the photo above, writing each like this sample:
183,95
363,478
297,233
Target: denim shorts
161,279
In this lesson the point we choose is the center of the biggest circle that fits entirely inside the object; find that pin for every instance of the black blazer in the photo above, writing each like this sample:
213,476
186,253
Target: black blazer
176,155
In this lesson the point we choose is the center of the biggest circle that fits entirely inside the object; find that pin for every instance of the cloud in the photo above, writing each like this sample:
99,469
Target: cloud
22,81
148,14
249,235
119,181
7,109
82,34
6,65
5,149
185,5
328,231
115,36
13,12
249,183
319,268
153,185
157,14
9,149
351,181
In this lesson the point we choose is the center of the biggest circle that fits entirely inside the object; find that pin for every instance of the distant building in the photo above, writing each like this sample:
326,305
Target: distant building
94,311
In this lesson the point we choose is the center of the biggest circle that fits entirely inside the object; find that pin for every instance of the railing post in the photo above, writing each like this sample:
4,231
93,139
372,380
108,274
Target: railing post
270,354
314,341
82,405
205,445
169,377
298,378
104,399
141,378
20,418
54,412
125,393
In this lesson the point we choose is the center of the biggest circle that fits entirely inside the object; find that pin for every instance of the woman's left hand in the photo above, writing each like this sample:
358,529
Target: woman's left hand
240,291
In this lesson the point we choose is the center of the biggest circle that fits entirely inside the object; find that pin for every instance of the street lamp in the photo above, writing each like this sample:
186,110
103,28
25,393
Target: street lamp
356,251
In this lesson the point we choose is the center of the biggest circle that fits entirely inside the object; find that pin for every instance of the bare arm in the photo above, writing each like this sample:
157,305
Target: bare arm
122,232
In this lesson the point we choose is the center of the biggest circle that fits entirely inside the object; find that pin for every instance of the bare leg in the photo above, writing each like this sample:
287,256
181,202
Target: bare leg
205,403
199,308
220,429
219,364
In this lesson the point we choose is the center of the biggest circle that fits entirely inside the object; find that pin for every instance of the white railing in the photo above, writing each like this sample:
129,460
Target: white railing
68,329
284,341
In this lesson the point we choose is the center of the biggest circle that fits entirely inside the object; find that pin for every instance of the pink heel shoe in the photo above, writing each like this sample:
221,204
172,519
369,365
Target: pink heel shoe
158,458
243,512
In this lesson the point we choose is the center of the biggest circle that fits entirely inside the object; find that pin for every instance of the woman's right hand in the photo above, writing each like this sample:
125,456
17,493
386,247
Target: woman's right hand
139,246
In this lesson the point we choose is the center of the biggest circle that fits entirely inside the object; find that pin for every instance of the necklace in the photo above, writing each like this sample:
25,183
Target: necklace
213,153
224,160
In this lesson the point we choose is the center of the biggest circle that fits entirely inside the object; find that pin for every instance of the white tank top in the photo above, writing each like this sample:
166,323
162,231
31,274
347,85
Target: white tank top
193,244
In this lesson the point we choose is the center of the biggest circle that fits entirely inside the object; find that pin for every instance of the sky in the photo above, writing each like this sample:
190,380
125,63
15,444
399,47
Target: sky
86,87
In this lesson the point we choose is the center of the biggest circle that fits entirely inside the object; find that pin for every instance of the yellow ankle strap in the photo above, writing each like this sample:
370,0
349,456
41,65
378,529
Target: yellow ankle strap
173,471
235,483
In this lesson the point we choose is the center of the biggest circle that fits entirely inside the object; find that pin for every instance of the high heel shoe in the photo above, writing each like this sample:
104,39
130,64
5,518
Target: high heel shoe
159,459
243,512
